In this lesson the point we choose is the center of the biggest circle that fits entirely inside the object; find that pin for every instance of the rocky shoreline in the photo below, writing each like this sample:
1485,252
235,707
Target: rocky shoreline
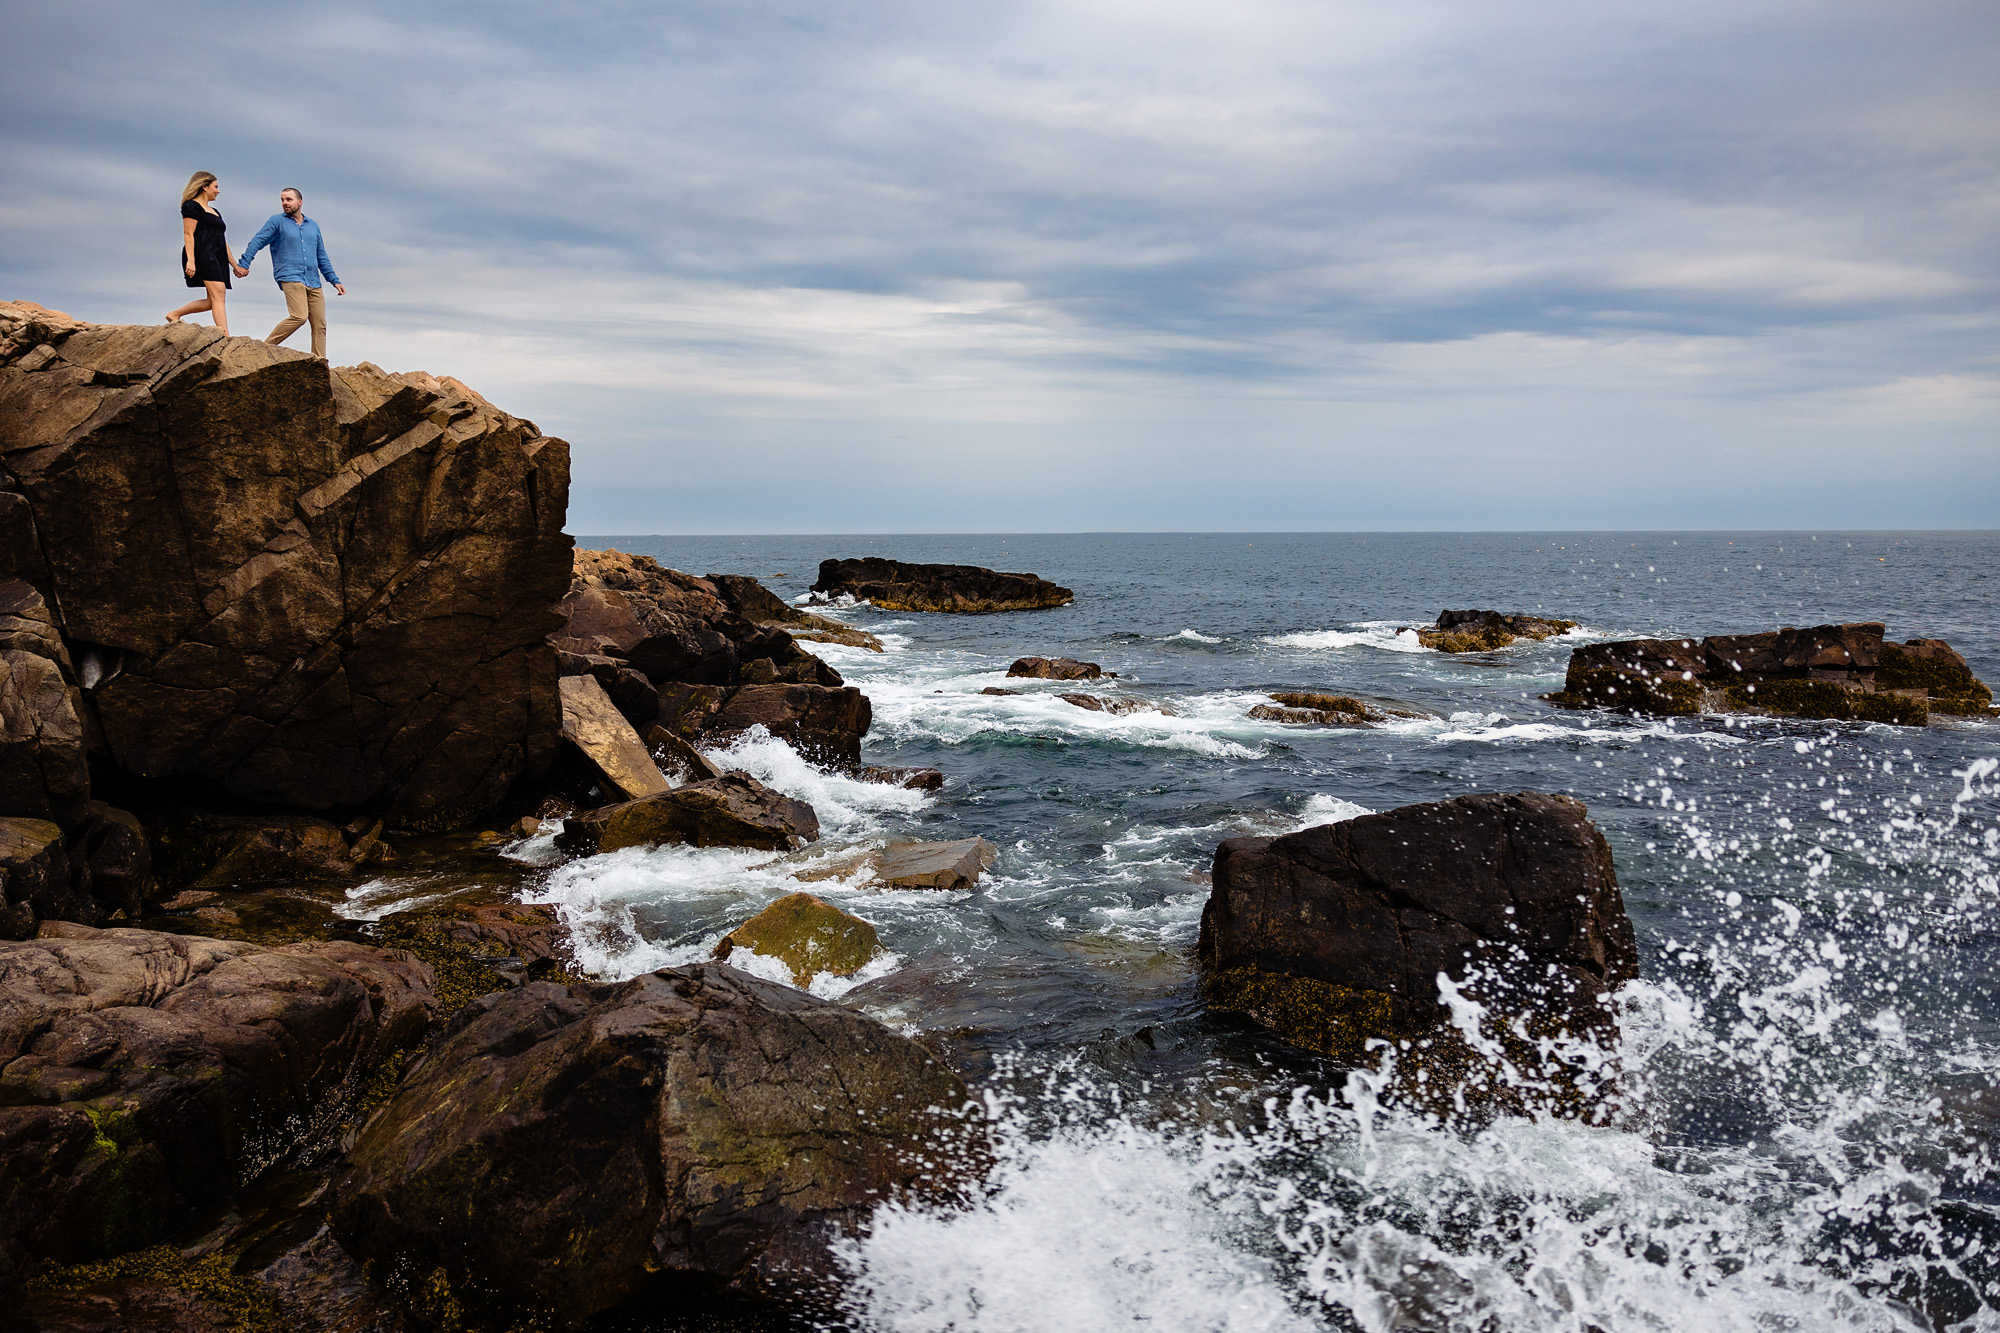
269,627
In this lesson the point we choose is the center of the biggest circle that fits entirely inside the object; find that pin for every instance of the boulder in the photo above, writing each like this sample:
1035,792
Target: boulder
1326,710
198,850
1483,631
935,865
824,725
146,1076
1055,668
672,626
43,771
1108,703
995,689
111,860
602,735
916,779
36,877
807,935
759,605
564,1150
734,810
1844,671
1337,934
895,586
306,586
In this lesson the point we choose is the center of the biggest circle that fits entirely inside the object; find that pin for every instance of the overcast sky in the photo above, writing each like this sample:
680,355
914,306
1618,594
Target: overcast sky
826,267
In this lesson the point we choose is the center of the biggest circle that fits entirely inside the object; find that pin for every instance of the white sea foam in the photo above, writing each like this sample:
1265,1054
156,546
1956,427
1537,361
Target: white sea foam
390,894
954,711
1323,809
1192,636
1379,634
845,806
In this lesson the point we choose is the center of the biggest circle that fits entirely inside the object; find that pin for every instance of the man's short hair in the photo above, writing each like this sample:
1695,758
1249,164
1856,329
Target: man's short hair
293,189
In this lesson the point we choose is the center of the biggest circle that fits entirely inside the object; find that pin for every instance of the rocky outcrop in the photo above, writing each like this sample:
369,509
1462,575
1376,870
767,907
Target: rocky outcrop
671,626
1055,668
734,810
807,935
145,1076
759,605
1337,934
895,586
563,1149
1483,631
935,865
1844,671
299,585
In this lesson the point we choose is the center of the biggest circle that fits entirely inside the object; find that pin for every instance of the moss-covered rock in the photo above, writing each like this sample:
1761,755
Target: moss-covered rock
1828,699
1321,1016
1608,687
1933,666
1484,631
808,935
125,1288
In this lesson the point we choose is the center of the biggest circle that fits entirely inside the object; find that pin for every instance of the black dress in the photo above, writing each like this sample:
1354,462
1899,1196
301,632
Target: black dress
211,246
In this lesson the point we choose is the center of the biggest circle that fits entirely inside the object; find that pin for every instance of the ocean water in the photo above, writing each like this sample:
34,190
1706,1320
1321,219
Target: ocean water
1809,1107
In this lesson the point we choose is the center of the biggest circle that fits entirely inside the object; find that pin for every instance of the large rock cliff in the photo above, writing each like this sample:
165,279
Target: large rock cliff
270,579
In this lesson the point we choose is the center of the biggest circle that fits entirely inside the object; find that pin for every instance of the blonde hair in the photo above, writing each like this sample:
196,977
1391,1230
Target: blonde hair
196,184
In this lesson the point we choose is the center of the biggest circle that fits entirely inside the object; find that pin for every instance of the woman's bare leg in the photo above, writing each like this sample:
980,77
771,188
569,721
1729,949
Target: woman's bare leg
191,308
218,296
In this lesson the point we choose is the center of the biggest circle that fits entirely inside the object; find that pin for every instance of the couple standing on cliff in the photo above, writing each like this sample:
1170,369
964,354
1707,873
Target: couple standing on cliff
298,258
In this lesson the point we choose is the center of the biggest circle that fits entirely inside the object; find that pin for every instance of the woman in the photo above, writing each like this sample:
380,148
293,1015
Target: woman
205,259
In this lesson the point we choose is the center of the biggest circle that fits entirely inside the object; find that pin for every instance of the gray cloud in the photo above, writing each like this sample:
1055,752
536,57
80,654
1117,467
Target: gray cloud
881,267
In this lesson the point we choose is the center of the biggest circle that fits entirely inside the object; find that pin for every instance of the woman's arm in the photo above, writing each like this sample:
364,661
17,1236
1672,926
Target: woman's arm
187,230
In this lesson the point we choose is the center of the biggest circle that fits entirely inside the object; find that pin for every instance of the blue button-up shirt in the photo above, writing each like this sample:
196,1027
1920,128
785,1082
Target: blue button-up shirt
298,253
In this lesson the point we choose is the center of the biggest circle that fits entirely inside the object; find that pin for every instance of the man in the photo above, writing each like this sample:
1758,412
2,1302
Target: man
298,258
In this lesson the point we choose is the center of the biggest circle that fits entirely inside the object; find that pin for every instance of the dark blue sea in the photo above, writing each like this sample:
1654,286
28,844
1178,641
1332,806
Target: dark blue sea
1811,1059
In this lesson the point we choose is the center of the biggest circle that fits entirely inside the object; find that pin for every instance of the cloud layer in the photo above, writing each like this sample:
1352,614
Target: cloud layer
825,267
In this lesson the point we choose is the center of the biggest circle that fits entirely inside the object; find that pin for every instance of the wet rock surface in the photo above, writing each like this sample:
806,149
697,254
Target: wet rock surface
808,935
957,864
895,586
916,779
758,604
303,585
1845,671
734,810
1337,934
1055,668
144,1076
1328,710
564,1148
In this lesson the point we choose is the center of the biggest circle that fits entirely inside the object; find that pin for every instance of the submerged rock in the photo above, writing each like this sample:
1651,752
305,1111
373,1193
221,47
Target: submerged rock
935,865
895,586
824,725
1844,671
808,935
734,810
1055,668
1483,631
565,1149
916,779
206,851
309,586
603,735
1327,710
144,1076
1337,934
1114,704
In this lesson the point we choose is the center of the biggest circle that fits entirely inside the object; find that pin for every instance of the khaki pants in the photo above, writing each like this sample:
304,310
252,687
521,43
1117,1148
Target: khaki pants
302,304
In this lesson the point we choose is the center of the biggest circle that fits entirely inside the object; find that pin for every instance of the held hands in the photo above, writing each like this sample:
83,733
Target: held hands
241,271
